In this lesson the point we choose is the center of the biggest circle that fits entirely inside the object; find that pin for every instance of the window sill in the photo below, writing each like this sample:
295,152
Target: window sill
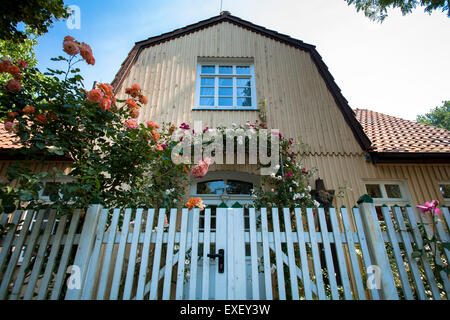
225,109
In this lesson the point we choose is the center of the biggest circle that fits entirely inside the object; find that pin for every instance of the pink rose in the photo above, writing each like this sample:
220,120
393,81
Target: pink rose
201,169
94,95
70,47
14,85
105,104
131,124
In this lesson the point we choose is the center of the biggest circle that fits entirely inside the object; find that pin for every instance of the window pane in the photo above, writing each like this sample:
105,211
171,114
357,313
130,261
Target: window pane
445,189
226,102
225,69
244,102
393,191
208,69
244,92
225,91
243,82
207,82
211,187
242,70
206,101
239,187
206,91
226,82
374,190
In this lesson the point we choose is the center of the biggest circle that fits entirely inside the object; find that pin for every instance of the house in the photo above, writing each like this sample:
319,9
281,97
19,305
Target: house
224,71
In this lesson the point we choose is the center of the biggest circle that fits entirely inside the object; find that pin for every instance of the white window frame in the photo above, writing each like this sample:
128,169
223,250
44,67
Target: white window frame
234,62
406,196
446,200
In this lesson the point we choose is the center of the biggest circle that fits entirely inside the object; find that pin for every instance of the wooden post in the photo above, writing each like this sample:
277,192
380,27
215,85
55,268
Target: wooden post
84,248
377,248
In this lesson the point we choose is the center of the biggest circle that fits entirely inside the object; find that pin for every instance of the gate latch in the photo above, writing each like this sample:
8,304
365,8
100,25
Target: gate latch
221,256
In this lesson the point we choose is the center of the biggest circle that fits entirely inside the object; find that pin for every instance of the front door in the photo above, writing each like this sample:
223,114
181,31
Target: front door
225,222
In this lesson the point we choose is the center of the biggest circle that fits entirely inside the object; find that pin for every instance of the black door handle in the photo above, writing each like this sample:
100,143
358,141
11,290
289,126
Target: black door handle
221,256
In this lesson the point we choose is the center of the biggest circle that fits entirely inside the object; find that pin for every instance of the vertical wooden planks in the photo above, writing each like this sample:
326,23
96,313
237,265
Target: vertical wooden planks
157,255
398,255
278,253
265,240
8,240
169,255
328,257
194,256
132,258
101,291
315,253
115,286
145,255
254,255
303,256
182,254
291,255
206,248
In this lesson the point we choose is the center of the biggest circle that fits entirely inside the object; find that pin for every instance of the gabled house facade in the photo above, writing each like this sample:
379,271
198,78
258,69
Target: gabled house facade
226,70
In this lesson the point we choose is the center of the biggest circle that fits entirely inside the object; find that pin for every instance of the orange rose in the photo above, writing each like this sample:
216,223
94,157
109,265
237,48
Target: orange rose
41,118
12,115
143,99
28,110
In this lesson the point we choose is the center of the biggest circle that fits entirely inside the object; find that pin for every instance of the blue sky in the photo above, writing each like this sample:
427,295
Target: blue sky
400,67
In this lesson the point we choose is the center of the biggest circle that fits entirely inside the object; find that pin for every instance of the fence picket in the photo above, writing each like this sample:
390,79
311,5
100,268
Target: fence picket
182,254
315,253
27,255
419,242
132,257
303,256
278,253
169,255
291,255
328,256
352,253
101,291
206,248
398,256
145,255
65,255
194,257
31,286
254,254
340,254
265,241
43,289
157,256
115,286
444,237
8,240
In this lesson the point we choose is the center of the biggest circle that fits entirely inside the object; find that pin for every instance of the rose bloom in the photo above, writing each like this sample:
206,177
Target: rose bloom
143,99
70,47
12,115
105,104
52,116
41,118
131,103
159,147
28,110
86,53
131,124
14,70
133,90
201,169
11,126
14,85
106,88
155,135
134,113
192,202
151,124
22,63
94,95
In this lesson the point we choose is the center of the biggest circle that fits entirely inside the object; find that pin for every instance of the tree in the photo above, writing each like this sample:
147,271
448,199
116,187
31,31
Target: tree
438,117
376,10
37,15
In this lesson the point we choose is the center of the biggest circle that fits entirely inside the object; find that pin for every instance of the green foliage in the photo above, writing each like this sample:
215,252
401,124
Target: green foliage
376,10
111,163
438,117
37,15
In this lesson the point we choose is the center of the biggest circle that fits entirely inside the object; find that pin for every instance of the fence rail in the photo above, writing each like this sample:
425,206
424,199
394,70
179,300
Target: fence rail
366,252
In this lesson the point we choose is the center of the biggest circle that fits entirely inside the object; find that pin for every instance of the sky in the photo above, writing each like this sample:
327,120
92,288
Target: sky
400,67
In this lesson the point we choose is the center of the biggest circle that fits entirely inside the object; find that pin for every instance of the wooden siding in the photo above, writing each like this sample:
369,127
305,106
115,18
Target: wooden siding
297,99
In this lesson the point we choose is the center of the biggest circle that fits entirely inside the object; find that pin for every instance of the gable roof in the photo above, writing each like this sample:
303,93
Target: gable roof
394,138
225,16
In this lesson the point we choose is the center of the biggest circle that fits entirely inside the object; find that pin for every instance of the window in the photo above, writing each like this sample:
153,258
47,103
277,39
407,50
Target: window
225,85
445,190
220,187
388,193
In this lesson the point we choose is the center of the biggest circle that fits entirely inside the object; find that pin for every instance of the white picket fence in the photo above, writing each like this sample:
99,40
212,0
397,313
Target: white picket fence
269,254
